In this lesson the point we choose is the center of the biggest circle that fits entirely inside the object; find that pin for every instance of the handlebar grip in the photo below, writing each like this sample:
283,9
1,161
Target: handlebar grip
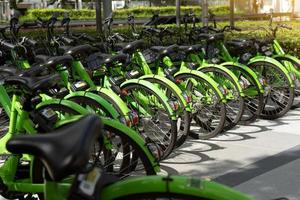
89,38
31,42
119,37
7,46
66,40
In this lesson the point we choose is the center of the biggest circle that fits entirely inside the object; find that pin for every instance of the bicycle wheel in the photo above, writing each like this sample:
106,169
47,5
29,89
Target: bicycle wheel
279,95
156,124
4,122
208,112
253,97
292,64
122,157
182,115
235,102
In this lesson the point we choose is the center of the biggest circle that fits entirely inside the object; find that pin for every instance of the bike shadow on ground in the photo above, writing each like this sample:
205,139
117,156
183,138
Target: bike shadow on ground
194,150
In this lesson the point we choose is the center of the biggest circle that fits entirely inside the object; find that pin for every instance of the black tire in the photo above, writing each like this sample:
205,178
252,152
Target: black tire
278,99
165,135
234,106
209,118
253,104
134,161
161,196
182,115
4,123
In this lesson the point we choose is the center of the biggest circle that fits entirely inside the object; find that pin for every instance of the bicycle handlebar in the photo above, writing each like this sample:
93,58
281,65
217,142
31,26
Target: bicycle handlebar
6,45
66,39
30,42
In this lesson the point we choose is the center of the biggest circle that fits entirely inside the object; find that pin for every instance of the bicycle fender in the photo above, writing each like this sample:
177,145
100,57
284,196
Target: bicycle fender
153,88
248,70
70,104
287,57
182,185
167,81
125,130
95,97
202,76
227,71
274,62
116,98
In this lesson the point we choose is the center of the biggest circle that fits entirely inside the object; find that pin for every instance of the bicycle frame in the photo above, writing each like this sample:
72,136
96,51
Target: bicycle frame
19,121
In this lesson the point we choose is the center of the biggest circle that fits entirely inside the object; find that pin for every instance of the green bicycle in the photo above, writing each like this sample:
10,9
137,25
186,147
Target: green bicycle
89,182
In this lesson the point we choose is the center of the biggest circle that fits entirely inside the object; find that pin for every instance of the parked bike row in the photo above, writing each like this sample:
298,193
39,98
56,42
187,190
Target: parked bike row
150,98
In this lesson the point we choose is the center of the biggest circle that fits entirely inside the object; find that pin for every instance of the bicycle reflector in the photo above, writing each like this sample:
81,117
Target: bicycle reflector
125,121
187,97
262,81
292,75
178,81
131,119
244,82
134,117
174,104
223,89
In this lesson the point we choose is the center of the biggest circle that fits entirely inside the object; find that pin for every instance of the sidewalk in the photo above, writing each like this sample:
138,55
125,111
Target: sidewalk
262,159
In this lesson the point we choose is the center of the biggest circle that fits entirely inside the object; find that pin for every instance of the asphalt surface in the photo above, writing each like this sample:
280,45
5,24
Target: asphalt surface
262,159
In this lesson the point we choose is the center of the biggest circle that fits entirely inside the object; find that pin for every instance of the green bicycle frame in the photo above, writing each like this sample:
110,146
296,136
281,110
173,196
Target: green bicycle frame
19,121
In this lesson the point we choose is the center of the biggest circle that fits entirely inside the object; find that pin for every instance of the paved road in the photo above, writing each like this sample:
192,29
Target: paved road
262,159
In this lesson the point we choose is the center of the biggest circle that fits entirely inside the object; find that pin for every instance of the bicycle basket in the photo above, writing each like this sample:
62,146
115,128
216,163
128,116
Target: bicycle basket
94,61
150,56
177,56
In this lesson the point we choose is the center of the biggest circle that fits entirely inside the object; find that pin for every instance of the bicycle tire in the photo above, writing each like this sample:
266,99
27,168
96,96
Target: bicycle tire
274,97
234,107
253,104
204,119
4,122
182,118
166,147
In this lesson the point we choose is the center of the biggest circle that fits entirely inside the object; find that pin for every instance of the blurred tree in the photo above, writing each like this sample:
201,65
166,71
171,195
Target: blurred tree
13,4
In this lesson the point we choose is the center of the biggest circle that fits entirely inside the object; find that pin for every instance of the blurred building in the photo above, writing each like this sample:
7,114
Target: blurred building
265,6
